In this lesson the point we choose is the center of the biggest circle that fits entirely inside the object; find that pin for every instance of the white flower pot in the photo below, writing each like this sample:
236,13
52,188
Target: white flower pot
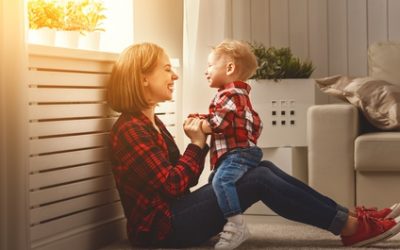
282,107
90,41
67,39
42,36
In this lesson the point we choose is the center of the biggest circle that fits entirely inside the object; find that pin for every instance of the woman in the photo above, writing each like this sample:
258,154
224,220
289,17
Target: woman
153,179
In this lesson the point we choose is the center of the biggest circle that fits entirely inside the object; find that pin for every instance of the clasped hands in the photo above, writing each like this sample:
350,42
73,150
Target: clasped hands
196,127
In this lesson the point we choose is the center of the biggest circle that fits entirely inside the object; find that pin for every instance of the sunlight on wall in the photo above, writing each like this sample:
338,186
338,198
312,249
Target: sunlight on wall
118,25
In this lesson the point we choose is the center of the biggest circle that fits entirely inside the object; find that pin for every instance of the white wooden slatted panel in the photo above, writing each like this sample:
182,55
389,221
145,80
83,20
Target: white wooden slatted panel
166,107
70,127
52,161
337,27
167,113
279,23
72,189
393,20
168,119
339,31
57,78
67,191
357,37
58,177
241,24
71,186
62,54
68,143
67,65
59,111
318,38
66,95
58,209
377,21
96,215
298,28
260,21
174,130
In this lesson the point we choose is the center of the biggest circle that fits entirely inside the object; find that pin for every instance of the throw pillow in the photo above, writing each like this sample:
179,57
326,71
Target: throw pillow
378,100
384,61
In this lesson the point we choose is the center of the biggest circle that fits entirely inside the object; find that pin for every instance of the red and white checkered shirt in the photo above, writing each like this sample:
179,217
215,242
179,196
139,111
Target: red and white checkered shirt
233,121
149,173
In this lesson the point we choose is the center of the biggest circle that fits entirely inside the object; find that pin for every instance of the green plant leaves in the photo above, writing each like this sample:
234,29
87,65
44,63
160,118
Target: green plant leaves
279,63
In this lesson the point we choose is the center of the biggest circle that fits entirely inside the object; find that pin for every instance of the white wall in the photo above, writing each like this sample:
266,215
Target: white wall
334,34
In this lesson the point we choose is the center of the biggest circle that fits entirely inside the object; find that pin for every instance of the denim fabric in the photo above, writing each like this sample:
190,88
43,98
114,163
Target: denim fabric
196,217
231,168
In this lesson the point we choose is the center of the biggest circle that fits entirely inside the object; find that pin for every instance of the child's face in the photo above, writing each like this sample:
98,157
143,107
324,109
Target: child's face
216,72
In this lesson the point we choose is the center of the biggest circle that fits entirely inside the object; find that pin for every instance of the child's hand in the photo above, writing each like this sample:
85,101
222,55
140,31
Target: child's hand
205,127
197,115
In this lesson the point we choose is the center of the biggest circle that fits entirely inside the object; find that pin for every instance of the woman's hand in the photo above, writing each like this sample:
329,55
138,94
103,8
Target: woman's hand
192,128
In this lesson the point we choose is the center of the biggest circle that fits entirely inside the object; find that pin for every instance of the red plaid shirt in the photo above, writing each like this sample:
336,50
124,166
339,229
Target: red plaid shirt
233,121
149,173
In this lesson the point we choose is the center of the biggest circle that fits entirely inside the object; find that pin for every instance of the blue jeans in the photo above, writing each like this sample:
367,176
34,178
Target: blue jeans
196,217
231,167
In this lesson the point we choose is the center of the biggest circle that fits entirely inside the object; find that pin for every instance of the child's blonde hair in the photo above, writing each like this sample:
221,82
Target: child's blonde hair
125,91
242,56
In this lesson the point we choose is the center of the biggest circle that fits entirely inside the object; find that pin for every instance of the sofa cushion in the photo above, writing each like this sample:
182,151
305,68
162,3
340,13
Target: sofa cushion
384,61
377,152
377,99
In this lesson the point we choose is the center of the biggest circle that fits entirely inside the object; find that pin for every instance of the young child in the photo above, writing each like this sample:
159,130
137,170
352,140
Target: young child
234,127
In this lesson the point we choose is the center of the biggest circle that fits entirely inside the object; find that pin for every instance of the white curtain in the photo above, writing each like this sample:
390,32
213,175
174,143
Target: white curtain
206,23
13,127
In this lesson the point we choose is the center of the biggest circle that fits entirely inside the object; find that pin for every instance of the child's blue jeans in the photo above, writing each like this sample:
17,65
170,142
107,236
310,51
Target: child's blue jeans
230,169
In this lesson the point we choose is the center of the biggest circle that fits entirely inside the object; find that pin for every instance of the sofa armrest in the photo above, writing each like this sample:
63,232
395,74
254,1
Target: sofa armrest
331,132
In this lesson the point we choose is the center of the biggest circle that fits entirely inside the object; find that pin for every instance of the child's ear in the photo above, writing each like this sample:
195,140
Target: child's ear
230,68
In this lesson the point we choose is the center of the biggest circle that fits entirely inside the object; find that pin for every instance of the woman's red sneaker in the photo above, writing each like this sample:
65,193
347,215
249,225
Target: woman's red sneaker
371,230
385,213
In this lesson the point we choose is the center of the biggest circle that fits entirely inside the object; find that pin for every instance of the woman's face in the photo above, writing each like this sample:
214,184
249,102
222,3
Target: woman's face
160,82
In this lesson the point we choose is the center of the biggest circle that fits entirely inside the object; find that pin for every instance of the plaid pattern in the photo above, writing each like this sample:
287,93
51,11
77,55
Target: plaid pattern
233,121
149,172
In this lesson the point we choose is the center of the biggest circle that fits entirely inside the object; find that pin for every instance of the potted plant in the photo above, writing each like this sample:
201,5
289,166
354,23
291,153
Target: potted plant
279,63
70,18
82,21
93,15
281,92
93,11
45,17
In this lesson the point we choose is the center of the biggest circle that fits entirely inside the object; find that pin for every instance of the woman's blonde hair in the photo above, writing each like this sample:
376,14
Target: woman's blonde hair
125,90
242,56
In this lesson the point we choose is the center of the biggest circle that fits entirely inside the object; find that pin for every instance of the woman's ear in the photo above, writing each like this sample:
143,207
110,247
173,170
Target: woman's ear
145,82
230,68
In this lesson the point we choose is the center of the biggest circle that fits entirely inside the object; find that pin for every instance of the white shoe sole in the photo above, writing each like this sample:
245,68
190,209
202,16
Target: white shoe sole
395,211
386,235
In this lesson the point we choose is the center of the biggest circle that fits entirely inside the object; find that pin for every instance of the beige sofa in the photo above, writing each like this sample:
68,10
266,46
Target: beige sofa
352,167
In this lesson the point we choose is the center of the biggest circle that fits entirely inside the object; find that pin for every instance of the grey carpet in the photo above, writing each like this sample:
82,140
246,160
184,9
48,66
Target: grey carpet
282,236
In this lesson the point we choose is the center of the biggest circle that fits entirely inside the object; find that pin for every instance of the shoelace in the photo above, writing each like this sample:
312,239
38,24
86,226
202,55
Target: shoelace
370,221
365,209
